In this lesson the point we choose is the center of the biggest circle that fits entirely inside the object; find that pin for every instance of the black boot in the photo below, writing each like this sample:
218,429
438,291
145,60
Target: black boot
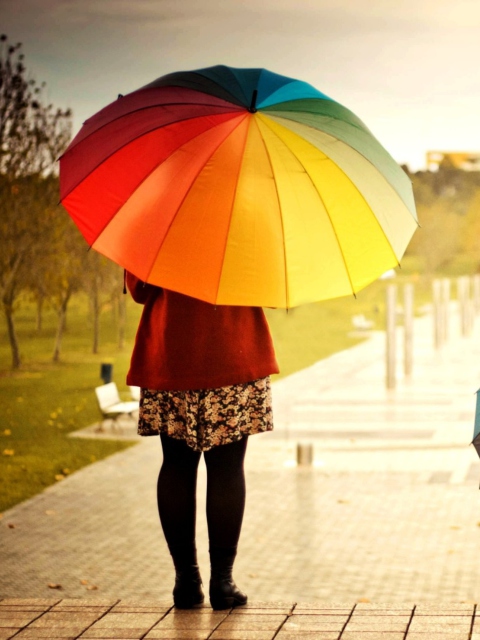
224,593
187,592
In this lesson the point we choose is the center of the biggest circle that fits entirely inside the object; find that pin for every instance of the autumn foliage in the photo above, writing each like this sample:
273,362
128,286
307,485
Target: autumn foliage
41,251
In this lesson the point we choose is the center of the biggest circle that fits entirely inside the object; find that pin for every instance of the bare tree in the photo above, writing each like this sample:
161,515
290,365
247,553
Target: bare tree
32,135
102,279
65,267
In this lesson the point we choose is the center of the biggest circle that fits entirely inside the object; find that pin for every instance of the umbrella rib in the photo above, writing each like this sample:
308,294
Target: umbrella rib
367,160
235,108
230,220
190,187
144,133
138,186
232,75
287,289
284,116
325,207
355,120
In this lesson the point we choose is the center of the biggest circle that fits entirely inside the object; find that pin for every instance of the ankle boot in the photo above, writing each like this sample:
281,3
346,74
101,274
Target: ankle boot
187,592
224,593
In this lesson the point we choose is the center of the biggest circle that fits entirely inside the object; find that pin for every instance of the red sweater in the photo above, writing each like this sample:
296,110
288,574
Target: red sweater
184,343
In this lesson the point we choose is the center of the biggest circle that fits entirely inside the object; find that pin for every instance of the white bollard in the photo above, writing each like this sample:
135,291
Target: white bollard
463,295
476,293
445,297
391,321
438,330
408,329
304,454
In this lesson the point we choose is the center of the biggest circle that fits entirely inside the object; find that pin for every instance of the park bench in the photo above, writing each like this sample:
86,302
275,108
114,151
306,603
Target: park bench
110,404
361,323
135,393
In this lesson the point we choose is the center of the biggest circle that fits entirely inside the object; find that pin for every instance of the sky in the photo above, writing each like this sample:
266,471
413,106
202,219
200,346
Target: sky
408,68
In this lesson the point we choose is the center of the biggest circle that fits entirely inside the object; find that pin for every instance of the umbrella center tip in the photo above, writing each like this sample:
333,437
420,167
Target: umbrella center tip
253,104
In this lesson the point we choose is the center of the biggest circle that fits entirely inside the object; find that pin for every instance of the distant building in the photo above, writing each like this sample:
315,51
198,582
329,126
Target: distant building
465,160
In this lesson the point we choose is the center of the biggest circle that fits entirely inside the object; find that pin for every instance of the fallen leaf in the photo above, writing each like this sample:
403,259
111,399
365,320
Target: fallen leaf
11,525
53,415
54,585
50,512
1,516
84,582
341,501
364,600
253,575
65,472
7,432
92,587
59,476
9,452
19,399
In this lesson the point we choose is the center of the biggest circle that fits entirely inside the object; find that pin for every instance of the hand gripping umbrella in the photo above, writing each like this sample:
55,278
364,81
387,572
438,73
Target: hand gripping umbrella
238,187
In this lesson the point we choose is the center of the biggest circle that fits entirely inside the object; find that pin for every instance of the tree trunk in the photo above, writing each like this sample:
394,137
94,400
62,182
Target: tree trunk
96,319
122,320
40,301
12,336
9,294
115,308
62,317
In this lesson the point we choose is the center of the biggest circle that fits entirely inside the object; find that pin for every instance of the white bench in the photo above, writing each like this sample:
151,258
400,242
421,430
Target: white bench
135,393
110,404
360,323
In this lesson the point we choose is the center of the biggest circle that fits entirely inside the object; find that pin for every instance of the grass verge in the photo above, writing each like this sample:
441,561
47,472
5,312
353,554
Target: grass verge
44,401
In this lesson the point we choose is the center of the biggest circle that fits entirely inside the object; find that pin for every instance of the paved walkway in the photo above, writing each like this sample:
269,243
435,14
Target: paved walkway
389,512
113,619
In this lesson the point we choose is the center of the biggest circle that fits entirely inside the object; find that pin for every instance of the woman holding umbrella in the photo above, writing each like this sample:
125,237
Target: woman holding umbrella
243,189
204,373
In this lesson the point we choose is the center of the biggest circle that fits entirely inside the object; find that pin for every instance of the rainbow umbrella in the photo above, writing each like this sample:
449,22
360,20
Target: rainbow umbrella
238,187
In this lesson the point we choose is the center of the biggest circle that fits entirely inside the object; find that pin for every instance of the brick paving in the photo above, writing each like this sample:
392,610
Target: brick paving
388,513
68,619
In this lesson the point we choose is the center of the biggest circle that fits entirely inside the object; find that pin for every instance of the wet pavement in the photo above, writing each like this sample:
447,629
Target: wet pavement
113,619
389,511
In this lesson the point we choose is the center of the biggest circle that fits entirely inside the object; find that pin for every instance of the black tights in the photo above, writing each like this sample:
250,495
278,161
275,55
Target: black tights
176,493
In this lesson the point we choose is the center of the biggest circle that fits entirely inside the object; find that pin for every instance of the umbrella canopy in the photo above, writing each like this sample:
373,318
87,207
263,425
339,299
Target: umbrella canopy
238,187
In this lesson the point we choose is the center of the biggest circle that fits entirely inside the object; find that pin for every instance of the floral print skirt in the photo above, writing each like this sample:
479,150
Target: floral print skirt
206,418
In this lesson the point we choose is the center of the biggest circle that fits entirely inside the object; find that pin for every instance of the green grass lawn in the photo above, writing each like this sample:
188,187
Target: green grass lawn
44,401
